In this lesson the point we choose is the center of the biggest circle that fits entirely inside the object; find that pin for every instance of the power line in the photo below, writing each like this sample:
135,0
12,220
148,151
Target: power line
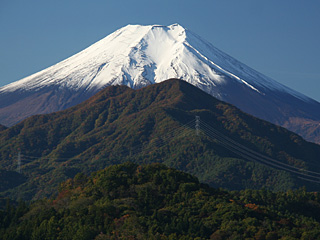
256,153
186,129
133,150
251,155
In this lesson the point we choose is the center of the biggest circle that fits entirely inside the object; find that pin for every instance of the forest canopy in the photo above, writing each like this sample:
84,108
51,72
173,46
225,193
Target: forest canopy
131,201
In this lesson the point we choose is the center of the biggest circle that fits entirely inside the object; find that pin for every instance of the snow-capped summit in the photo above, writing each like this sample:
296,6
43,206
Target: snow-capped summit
137,56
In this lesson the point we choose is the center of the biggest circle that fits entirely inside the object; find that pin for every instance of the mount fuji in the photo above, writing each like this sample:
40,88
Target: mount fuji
138,56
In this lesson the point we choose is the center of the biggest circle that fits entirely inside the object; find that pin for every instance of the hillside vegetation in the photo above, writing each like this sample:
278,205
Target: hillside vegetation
130,201
153,124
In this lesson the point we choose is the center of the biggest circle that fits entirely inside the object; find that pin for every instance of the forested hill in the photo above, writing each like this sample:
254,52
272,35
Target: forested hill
157,123
129,201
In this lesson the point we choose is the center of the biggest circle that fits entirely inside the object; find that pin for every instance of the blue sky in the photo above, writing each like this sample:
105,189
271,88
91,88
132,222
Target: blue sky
277,38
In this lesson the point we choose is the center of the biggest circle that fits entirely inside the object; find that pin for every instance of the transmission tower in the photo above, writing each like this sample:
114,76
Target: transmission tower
19,162
197,125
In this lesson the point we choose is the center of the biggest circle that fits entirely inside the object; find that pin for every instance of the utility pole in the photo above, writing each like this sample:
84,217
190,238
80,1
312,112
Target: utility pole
19,162
197,125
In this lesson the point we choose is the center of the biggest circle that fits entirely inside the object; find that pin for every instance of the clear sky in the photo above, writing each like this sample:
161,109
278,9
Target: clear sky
279,38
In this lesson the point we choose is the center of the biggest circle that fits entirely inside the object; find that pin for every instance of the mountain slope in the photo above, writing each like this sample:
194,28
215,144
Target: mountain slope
137,56
154,124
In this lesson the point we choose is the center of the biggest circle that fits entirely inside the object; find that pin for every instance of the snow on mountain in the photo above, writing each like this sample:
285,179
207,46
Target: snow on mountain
137,56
